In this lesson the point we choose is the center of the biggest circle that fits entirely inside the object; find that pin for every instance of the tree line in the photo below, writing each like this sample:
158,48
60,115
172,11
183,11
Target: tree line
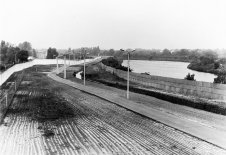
185,55
11,54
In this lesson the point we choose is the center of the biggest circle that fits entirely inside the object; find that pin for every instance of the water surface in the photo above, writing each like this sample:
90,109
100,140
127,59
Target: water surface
167,69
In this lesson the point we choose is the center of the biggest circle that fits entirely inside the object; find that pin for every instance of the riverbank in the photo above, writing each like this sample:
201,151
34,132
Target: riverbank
207,68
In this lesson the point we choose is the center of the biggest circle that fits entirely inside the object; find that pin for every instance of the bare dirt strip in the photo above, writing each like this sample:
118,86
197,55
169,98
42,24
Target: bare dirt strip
84,124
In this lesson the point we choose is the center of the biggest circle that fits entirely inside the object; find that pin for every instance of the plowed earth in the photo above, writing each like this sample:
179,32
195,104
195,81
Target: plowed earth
47,117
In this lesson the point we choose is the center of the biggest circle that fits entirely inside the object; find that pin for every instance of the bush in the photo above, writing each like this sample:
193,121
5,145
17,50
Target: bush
115,63
112,62
190,77
216,65
2,67
51,53
221,78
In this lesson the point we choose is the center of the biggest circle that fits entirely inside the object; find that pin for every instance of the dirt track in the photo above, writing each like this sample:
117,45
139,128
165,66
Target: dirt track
96,126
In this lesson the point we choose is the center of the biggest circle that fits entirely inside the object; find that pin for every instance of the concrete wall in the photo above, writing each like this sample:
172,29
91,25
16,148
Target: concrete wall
181,86
18,67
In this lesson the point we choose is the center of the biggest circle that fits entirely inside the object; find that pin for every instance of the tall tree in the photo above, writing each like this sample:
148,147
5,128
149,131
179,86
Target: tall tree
166,52
3,52
22,56
26,46
8,53
52,53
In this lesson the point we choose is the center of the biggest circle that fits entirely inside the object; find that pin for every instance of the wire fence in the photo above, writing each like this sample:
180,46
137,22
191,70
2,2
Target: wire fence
6,96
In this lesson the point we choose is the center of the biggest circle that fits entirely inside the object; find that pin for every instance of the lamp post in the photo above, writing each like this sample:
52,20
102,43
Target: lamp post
64,66
128,66
80,54
74,55
84,72
56,57
57,65
15,57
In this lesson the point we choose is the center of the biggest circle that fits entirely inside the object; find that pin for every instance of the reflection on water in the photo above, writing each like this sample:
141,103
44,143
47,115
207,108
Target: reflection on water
167,69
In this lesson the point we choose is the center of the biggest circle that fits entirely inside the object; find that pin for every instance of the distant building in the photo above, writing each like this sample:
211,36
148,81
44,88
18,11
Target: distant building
41,54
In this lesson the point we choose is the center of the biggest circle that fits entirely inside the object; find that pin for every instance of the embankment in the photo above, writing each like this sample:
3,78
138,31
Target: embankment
172,85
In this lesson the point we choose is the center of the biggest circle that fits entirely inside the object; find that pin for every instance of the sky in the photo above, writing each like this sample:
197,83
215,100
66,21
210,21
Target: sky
114,24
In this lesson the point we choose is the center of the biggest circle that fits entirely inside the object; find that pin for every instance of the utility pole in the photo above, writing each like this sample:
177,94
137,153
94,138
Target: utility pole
15,57
128,67
84,70
57,65
84,73
127,92
64,67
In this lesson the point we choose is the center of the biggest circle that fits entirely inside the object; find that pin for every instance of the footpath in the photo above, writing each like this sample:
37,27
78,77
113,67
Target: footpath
207,133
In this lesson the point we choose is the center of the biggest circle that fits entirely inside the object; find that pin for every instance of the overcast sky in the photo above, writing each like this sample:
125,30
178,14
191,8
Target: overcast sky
115,23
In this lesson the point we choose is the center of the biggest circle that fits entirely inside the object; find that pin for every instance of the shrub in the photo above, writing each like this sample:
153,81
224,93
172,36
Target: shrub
190,77
221,78
216,65
2,67
115,63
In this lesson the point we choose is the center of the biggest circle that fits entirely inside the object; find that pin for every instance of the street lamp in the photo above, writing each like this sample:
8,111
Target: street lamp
84,72
128,66
65,73
80,55
15,57
57,65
